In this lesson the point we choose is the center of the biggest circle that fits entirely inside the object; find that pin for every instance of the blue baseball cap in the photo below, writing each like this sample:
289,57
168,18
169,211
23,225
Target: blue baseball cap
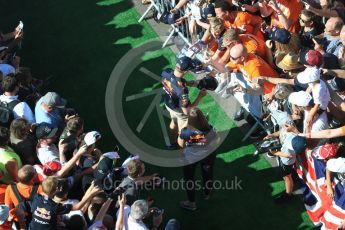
279,35
209,11
185,63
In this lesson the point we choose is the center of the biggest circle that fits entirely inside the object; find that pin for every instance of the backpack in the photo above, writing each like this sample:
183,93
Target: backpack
6,112
25,204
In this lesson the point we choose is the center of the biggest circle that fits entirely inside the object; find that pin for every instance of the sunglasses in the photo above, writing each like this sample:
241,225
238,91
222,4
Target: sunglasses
304,21
234,59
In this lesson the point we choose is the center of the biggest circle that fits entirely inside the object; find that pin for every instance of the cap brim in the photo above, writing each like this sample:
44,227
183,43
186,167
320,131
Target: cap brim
112,155
2,48
52,133
62,104
284,67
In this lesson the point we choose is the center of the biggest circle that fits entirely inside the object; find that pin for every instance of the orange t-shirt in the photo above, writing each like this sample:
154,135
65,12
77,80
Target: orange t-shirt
246,21
253,44
254,67
249,22
291,9
11,200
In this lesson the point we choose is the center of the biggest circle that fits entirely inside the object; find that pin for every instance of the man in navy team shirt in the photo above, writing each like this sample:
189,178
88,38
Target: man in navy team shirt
176,97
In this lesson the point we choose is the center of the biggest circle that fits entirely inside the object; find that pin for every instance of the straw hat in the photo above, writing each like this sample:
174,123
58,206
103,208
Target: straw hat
289,62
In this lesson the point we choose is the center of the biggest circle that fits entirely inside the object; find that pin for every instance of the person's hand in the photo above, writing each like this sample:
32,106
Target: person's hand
97,153
274,5
180,20
269,44
290,128
121,200
94,190
273,152
325,71
67,118
18,34
82,150
269,136
174,10
157,220
330,192
317,46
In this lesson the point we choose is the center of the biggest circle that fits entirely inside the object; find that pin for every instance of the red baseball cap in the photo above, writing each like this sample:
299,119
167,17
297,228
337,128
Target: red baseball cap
51,167
311,57
325,151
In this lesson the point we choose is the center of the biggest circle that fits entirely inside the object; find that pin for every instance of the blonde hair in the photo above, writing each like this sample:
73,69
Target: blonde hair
49,186
292,46
231,35
216,24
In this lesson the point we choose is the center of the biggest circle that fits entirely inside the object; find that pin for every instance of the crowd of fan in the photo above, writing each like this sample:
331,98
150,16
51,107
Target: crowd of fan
52,176
283,61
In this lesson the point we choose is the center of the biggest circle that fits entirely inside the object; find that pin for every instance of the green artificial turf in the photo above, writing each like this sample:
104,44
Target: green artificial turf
79,43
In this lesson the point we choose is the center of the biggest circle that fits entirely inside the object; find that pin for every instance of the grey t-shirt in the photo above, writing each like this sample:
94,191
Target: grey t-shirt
288,149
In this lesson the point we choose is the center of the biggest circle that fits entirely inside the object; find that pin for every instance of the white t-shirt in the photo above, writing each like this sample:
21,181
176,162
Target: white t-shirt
48,153
319,124
321,95
136,225
21,110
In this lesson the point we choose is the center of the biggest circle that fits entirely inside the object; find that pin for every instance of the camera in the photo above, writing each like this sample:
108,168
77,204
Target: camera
157,212
107,177
117,192
264,146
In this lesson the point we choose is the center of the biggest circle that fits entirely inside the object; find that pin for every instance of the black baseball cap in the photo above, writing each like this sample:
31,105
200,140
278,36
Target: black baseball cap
172,17
103,168
45,131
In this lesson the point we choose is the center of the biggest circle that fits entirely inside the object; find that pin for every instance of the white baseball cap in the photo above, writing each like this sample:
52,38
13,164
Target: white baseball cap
310,74
300,98
92,137
336,165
